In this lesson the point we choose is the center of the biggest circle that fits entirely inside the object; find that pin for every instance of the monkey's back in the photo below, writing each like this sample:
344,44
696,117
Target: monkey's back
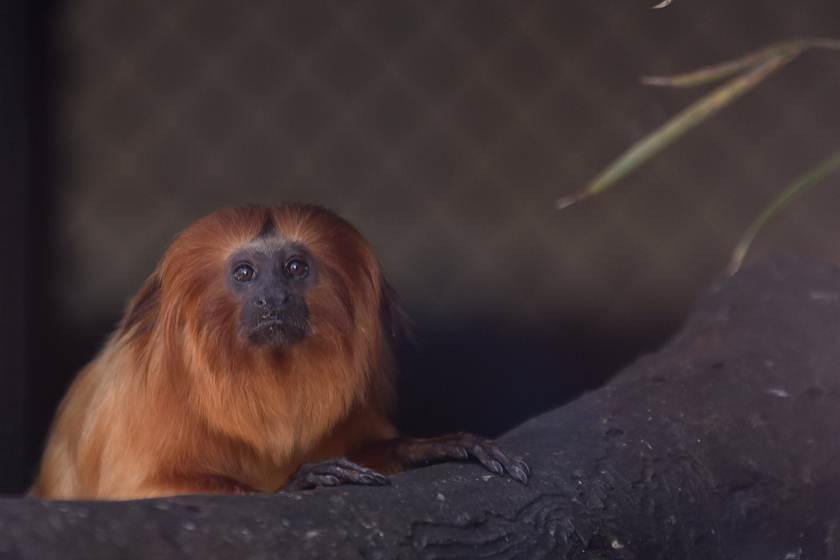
86,431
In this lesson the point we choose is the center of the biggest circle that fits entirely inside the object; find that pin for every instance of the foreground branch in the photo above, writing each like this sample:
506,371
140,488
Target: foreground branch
723,445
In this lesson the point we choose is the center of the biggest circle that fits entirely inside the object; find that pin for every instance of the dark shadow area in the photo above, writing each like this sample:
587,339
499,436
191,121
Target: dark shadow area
47,340
14,157
481,378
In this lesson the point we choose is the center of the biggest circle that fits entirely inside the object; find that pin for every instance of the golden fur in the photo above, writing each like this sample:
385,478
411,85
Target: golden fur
178,402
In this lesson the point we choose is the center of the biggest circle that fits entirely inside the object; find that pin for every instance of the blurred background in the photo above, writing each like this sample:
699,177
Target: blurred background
444,130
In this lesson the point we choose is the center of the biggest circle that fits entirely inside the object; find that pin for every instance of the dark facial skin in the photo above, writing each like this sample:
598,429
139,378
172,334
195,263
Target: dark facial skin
269,280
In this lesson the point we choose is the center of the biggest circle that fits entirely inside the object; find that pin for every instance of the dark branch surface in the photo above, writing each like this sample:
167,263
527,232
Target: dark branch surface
725,444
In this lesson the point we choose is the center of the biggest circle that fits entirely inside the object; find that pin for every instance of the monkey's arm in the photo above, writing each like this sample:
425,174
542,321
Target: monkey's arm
397,454
371,444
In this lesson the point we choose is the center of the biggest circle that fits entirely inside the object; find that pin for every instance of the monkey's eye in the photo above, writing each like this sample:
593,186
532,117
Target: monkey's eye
244,273
296,268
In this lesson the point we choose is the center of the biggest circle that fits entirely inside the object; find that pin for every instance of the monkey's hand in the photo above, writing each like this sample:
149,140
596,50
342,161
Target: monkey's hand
464,447
334,472
406,453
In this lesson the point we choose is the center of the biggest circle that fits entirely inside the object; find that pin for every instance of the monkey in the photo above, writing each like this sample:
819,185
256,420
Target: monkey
257,357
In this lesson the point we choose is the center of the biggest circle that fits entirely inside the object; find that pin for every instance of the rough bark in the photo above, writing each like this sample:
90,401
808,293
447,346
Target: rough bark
725,444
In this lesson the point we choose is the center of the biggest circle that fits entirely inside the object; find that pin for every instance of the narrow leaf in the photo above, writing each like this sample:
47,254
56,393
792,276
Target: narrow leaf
674,128
804,182
716,72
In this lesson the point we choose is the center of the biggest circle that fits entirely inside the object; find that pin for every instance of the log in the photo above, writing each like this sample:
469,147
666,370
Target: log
724,444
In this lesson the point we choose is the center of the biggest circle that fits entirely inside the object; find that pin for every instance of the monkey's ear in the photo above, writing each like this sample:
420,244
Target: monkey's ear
143,309
395,321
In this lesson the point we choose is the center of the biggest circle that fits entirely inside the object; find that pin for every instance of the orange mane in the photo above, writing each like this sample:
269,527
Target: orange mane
178,392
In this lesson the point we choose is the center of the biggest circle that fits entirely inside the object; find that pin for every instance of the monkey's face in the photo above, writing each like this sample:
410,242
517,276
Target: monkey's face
269,280
265,278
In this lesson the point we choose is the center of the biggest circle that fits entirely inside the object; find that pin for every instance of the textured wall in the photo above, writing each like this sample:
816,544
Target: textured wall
444,130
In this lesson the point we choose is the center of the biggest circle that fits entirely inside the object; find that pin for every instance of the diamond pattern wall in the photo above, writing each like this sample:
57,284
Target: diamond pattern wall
444,130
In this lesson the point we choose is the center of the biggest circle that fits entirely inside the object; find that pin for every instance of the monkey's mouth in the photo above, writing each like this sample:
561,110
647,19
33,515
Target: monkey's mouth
278,331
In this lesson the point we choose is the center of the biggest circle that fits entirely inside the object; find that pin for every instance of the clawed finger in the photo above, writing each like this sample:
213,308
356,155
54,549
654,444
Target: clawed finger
516,467
494,459
356,474
335,473
322,479
484,458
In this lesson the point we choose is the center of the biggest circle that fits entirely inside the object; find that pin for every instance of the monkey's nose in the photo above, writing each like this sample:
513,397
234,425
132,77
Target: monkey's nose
265,306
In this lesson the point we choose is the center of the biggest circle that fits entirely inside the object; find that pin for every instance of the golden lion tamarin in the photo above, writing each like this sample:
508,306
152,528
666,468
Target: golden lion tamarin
256,357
